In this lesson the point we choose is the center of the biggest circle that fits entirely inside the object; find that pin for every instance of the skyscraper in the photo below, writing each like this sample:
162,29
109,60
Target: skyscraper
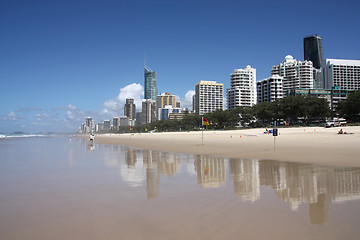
243,88
150,84
116,123
209,96
296,74
313,52
107,125
148,111
90,126
130,108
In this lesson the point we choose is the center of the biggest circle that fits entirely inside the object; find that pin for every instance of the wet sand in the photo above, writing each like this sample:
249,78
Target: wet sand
315,145
60,188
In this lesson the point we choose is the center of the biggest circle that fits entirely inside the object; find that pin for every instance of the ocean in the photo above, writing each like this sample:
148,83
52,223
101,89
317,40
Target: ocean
68,188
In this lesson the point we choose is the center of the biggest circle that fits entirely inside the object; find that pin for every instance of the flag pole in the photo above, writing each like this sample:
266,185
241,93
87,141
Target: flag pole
202,130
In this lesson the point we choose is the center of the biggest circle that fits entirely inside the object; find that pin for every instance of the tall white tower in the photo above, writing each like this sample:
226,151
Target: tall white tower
209,96
296,74
242,91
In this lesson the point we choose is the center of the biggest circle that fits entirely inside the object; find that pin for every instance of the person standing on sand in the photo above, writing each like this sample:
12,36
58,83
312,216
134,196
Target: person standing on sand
92,137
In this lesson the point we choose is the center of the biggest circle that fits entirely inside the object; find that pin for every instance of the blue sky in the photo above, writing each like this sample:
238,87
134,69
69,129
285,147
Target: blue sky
61,61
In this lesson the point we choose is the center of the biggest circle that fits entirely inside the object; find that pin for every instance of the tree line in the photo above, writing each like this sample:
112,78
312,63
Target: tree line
296,110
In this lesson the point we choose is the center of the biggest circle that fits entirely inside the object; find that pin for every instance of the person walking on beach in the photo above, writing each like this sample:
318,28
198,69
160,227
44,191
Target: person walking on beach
92,137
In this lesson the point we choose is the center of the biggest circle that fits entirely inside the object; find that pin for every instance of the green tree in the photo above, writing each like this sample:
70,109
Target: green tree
316,109
350,108
219,119
242,115
263,112
191,122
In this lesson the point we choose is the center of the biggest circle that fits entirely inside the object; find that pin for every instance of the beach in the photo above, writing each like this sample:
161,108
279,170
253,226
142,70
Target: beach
316,145
71,188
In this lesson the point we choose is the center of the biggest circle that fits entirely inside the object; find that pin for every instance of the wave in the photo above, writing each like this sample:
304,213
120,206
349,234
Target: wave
2,136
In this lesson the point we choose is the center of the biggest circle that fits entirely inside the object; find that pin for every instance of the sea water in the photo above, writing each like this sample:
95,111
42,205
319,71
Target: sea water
69,188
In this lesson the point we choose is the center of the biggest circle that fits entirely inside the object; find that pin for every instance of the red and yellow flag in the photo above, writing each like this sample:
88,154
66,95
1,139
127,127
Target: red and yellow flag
205,121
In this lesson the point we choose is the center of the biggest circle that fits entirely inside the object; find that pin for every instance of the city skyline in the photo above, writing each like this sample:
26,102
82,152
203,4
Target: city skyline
63,61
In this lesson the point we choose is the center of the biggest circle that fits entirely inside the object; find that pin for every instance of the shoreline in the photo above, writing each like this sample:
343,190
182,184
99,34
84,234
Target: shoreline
315,145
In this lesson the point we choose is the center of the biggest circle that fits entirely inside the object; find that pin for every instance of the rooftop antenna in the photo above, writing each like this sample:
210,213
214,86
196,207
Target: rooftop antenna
144,60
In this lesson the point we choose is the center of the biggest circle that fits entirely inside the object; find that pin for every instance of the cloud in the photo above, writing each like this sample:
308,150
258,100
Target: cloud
69,118
74,114
187,101
41,116
116,105
11,116
71,107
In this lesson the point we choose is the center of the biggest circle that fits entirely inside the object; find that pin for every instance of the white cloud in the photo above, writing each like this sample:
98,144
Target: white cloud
11,116
74,114
115,106
41,116
70,117
186,102
72,107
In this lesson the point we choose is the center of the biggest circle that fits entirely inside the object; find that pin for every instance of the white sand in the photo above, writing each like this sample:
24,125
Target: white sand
316,145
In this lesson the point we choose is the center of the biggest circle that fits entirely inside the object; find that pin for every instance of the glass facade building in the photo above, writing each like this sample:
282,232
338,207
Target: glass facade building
150,84
313,50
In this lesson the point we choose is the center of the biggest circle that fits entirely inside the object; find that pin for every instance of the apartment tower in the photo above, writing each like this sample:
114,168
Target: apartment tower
209,96
116,123
165,99
148,111
296,74
242,91
270,89
130,108
342,73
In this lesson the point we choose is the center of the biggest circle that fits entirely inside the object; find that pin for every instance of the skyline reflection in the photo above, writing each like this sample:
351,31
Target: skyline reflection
293,183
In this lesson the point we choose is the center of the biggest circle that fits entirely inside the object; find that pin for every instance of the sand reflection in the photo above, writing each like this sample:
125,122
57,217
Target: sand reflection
293,183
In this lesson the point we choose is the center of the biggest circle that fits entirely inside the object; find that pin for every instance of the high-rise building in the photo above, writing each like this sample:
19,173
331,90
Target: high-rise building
165,99
270,89
116,123
313,50
130,108
164,113
296,74
124,121
342,73
242,91
150,84
107,125
100,127
138,119
90,126
209,96
148,111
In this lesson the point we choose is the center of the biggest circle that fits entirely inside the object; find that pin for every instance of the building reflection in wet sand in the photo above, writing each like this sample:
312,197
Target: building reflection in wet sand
211,172
293,183
143,167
